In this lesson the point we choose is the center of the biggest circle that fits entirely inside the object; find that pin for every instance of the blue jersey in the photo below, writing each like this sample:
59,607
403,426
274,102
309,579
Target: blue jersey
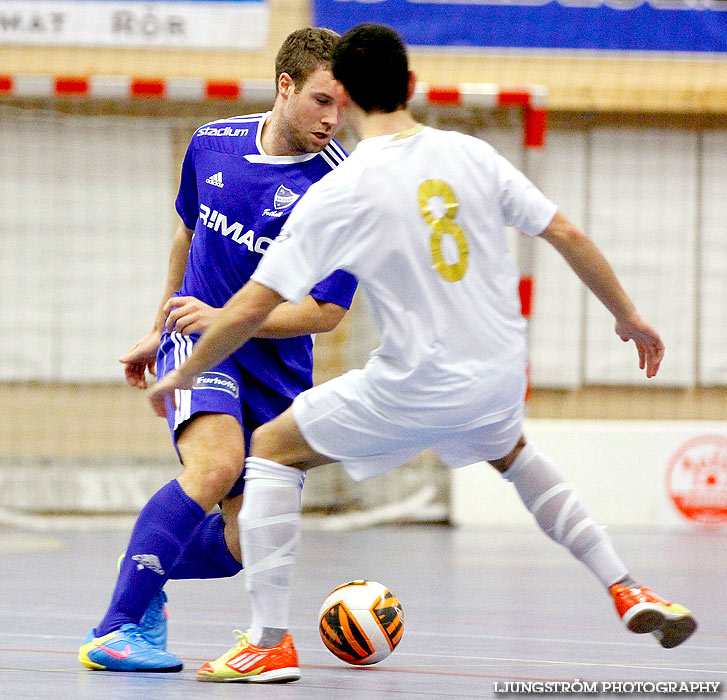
236,199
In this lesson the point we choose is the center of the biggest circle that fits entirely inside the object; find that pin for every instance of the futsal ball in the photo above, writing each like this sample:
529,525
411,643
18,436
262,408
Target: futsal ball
361,622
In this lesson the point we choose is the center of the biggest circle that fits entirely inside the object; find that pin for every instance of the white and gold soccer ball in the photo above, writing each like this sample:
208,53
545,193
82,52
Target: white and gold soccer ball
361,622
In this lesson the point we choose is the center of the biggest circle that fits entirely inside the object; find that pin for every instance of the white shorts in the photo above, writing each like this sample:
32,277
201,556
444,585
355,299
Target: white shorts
338,420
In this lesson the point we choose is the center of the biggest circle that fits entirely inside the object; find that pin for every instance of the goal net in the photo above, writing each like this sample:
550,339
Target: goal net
88,181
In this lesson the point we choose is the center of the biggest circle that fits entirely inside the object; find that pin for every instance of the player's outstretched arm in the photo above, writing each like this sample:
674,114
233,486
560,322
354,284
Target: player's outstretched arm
236,323
589,263
310,316
190,315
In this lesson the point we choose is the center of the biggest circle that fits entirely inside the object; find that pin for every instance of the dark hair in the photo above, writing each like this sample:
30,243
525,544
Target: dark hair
371,63
303,51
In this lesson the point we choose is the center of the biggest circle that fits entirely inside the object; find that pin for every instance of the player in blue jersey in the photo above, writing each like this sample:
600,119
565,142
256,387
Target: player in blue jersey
240,179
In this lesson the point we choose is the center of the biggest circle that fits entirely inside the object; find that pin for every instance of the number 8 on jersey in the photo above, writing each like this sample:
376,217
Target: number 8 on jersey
441,225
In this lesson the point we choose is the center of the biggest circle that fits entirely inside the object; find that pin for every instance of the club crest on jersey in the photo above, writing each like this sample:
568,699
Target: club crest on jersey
284,197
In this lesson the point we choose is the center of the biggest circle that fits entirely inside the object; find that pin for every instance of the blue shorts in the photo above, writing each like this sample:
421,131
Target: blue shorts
227,388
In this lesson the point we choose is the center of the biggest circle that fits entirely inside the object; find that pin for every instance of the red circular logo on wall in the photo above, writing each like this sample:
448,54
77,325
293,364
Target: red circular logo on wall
696,479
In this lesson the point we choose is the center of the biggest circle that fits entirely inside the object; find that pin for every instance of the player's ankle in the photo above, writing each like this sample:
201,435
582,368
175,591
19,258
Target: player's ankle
270,637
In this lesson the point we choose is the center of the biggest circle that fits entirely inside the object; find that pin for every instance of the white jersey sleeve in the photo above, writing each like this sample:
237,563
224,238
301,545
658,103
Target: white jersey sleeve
523,205
312,244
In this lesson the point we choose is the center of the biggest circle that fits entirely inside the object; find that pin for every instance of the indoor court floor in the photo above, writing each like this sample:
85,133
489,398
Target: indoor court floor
482,609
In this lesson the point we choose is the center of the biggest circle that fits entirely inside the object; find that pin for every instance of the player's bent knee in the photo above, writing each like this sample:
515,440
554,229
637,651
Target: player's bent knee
281,441
226,476
208,484
265,444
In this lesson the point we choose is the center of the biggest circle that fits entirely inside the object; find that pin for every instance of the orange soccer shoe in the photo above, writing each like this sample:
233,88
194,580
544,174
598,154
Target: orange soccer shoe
247,663
642,611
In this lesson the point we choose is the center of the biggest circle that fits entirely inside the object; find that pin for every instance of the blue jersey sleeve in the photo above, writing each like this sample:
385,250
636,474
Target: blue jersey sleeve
187,203
337,288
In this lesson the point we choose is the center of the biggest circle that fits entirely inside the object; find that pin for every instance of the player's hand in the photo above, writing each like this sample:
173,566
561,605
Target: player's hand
162,393
648,343
188,315
142,357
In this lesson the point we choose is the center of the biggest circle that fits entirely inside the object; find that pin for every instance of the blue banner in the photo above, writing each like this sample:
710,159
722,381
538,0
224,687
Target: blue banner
621,26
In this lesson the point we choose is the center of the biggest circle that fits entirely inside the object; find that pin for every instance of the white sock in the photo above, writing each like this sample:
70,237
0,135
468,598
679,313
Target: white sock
562,514
269,531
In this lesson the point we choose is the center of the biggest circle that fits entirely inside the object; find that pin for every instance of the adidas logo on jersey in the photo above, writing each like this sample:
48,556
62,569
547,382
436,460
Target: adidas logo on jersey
215,180
148,561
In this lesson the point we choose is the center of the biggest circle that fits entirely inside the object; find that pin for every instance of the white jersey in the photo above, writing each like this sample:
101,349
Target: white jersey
419,218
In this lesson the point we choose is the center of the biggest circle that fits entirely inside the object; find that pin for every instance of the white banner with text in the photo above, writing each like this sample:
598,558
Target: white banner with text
202,24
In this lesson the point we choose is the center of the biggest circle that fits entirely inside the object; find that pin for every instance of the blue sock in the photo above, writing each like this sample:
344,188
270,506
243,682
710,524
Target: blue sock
206,554
163,527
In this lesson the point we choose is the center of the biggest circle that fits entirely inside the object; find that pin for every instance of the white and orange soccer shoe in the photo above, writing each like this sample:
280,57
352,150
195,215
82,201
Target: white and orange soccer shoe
642,611
247,663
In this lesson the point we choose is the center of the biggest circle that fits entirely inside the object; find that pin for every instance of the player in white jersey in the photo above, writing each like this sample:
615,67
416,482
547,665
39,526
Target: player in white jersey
418,216
440,276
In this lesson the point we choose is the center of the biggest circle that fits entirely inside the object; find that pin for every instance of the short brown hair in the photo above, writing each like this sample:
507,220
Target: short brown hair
303,51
